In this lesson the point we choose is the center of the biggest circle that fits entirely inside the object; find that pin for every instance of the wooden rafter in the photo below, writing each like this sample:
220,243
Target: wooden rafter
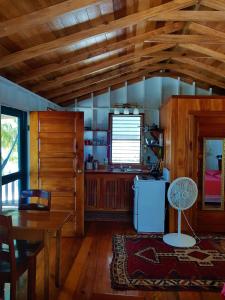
185,38
42,16
70,98
215,71
182,68
215,4
102,77
106,64
214,54
206,30
129,20
199,16
77,58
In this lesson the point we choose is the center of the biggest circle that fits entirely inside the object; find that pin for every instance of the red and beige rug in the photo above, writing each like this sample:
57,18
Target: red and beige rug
146,262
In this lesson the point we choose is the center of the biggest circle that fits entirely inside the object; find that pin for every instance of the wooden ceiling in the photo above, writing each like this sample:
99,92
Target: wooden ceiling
65,50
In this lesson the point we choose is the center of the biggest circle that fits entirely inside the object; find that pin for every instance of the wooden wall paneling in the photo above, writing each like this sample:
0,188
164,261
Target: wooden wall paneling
176,117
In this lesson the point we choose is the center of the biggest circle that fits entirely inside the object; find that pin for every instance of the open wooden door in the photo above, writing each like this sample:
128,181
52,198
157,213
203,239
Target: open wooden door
57,163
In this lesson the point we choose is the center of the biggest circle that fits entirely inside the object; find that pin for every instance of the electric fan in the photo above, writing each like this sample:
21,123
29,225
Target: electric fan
182,194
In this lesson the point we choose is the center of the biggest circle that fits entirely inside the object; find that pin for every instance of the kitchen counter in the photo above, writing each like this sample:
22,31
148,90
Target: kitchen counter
119,171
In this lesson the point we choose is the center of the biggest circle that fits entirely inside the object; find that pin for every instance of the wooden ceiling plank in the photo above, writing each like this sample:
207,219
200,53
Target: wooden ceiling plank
77,58
206,30
214,4
104,84
102,77
109,63
187,16
129,20
185,38
42,16
197,64
214,54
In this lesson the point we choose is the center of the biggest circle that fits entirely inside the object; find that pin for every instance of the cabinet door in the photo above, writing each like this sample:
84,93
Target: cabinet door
57,162
117,193
92,191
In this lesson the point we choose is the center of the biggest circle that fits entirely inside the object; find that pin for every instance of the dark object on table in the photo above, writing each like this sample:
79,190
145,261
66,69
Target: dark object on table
43,201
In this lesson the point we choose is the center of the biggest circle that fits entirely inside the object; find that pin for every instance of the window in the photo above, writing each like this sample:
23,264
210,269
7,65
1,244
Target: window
126,138
13,155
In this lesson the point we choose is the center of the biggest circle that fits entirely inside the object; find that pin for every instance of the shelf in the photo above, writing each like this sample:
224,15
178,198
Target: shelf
95,130
97,145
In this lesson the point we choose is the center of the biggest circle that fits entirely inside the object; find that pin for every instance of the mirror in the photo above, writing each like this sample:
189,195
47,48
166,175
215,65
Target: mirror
213,174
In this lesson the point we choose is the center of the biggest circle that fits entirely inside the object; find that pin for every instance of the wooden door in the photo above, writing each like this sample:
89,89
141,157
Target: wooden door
57,162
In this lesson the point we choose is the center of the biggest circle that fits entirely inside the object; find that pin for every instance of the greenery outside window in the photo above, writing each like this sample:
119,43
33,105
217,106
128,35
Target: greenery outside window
13,155
126,138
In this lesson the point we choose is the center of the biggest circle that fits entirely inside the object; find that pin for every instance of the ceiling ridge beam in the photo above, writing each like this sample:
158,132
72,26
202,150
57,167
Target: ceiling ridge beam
107,63
77,58
42,16
61,42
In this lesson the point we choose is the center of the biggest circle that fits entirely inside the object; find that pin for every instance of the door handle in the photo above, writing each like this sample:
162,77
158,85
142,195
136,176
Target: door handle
79,171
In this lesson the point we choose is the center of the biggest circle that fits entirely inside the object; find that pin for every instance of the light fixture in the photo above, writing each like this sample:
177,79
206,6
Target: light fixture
136,111
126,111
116,111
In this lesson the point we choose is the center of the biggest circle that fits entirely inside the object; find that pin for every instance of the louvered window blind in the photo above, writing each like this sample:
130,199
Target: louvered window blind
126,139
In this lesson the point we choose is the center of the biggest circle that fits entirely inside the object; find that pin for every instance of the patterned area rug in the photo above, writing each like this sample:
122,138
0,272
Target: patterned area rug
146,262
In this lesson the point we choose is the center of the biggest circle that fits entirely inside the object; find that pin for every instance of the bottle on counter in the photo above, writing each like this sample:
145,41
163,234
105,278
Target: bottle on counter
89,162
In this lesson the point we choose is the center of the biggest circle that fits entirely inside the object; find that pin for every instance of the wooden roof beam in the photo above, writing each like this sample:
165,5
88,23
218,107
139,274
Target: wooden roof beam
207,31
214,54
197,64
70,98
77,58
106,64
42,16
124,22
214,4
185,38
189,16
102,77
182,68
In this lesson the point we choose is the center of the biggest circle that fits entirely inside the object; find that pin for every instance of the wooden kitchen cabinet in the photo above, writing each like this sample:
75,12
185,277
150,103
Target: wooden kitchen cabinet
109,192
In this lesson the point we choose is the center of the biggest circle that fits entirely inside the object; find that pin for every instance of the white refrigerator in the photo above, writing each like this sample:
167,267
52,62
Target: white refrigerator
149,204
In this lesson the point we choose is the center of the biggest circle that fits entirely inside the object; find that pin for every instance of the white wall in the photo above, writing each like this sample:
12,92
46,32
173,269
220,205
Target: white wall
148,94
15,96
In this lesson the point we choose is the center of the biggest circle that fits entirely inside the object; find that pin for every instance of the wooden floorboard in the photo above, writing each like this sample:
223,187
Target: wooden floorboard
86,270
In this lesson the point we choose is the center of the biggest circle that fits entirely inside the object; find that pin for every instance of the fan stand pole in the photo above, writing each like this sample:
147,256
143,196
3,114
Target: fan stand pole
179,239
179,223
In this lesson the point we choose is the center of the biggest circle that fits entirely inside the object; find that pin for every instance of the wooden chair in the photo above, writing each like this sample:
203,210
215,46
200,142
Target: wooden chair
43,200
16,259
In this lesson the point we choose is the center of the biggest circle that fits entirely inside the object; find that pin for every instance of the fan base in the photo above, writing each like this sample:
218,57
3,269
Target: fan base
179,240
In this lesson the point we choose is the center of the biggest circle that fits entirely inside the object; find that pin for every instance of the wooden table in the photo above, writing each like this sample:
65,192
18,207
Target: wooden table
36,225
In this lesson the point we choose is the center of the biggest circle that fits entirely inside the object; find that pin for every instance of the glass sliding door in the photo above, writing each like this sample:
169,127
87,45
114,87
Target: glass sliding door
13,155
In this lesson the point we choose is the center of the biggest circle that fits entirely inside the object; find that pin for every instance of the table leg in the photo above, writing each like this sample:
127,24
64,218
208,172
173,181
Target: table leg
58,259
46,265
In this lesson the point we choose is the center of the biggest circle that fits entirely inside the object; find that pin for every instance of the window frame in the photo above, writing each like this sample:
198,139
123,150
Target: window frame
22,173
110,140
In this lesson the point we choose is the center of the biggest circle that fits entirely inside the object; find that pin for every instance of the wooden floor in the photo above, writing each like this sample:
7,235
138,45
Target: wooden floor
86,273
